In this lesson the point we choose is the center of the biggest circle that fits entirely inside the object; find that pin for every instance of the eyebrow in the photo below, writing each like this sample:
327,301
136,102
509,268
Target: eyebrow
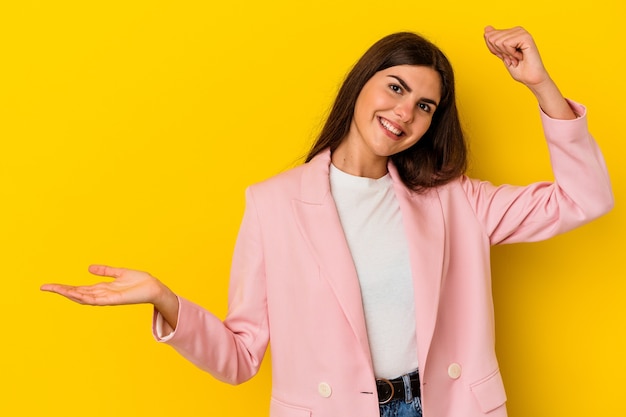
407,88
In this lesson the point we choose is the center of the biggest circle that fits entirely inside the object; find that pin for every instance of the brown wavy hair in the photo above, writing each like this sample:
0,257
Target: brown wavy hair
441,154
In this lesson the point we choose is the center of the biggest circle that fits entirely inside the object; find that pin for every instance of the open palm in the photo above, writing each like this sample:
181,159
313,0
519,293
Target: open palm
128,287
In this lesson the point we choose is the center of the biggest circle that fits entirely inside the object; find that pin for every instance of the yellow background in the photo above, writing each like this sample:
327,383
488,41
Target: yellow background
129,130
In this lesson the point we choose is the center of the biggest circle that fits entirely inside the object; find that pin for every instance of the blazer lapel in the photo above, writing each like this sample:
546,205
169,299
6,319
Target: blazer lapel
319,223
422,215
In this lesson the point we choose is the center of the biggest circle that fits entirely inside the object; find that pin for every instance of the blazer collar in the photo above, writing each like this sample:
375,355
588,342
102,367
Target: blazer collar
315,188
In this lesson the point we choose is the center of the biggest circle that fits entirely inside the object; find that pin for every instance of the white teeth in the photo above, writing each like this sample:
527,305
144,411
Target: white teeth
390,128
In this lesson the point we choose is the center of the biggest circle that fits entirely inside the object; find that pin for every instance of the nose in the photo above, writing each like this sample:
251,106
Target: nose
404,110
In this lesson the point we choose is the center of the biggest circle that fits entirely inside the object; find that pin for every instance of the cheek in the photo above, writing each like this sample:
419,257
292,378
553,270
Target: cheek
411,143
424,125
369,102
358,110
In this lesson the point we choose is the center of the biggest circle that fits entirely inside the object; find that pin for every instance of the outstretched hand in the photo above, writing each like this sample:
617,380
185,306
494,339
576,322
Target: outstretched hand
517,49
128,287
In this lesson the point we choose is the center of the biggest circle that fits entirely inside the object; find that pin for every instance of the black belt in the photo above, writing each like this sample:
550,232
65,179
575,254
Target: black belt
393,389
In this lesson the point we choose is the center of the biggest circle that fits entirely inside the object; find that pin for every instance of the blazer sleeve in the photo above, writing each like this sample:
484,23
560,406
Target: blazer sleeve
581,190
231,350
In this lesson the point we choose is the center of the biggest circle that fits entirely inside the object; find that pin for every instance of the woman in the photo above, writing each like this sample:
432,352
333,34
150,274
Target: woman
368,266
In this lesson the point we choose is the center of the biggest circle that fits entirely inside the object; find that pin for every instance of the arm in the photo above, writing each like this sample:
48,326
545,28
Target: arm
232,350
581,190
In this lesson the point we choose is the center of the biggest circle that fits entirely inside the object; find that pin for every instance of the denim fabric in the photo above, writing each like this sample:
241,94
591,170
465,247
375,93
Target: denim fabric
409,407
400,408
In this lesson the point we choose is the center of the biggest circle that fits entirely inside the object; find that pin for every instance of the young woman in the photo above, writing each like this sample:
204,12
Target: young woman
368,266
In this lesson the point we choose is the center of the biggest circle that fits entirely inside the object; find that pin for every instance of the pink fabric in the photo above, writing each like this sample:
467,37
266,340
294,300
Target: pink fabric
293,281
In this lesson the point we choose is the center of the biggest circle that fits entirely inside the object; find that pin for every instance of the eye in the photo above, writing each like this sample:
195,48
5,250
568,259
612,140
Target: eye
425,107
395,88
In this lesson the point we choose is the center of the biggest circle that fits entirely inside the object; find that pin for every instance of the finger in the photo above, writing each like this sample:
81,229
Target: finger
67,291
57,288
491,36
506,45
106,271
487,35
511,42
91,295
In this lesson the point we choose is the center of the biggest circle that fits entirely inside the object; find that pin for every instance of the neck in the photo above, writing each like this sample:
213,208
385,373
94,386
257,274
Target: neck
354,164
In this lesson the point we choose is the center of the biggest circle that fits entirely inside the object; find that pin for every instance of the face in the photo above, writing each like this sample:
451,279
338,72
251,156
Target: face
393,111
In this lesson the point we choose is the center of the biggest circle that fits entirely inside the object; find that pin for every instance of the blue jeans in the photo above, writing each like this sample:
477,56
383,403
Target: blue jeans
400,408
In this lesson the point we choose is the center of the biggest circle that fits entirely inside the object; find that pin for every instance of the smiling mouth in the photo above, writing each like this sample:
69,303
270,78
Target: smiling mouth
388,126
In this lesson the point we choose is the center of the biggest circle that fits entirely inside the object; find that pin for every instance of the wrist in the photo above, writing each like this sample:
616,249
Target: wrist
551,100
544,89
164,297
166,303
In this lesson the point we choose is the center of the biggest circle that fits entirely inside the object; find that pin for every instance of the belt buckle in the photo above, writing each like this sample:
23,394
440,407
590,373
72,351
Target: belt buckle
391,391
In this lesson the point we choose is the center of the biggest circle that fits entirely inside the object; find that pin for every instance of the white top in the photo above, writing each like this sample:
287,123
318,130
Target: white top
372,223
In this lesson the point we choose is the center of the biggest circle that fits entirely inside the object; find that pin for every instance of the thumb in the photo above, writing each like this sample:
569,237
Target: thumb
106,271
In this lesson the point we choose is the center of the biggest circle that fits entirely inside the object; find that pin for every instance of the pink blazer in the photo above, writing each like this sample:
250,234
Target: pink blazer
293,282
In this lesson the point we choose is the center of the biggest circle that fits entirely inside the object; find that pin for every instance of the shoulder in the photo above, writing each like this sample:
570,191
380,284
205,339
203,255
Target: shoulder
308,181
282,182
461,184
464,191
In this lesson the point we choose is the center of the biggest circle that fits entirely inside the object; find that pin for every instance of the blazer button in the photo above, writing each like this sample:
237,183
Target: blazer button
454,371
324,389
